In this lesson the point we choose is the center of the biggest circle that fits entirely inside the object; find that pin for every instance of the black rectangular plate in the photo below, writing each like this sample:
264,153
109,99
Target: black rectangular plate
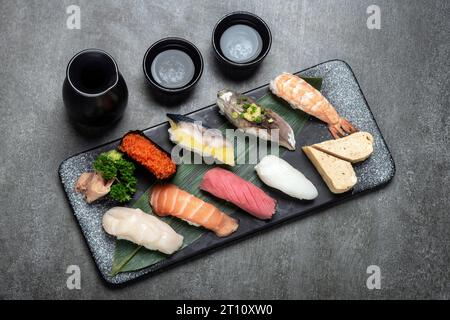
341,89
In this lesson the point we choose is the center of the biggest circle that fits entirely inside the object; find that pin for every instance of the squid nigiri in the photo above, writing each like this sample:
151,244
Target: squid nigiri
168,199
301,95
141,228
279,174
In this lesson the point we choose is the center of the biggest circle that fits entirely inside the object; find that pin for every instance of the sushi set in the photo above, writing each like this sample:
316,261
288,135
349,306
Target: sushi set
142,210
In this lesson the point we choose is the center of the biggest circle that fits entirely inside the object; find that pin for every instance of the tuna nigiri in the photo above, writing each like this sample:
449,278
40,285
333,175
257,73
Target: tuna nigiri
279,174
143,229
230,187
168,199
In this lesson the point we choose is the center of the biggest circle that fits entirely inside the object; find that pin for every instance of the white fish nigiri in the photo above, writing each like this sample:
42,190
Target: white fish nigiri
143,229
278,174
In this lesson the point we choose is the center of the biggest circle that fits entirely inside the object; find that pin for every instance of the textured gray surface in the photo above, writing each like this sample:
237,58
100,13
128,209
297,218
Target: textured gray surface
403,70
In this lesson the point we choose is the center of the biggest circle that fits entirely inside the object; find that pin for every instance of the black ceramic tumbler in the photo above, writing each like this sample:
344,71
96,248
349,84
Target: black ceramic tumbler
237,34
94,91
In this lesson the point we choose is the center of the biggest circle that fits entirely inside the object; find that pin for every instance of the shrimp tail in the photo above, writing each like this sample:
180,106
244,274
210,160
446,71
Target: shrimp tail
347,126
339,130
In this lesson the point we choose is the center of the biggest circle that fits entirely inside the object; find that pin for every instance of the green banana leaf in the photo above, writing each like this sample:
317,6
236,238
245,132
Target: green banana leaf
130,257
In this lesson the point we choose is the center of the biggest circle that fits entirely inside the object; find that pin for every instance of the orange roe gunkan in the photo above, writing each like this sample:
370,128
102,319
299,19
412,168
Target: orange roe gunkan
142,150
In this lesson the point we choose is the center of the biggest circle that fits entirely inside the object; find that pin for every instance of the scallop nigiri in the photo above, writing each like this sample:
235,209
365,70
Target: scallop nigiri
168,199
141,228
279,174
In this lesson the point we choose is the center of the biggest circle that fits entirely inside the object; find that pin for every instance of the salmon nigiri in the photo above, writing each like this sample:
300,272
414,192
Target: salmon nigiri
168,199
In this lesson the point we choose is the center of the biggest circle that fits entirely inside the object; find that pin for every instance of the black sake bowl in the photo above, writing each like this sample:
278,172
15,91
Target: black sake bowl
176,44
246,18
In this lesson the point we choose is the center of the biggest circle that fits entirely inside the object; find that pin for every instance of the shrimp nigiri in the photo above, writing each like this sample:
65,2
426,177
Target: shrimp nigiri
301,95
168,199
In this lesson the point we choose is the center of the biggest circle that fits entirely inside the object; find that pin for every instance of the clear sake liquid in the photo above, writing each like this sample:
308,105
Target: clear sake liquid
241,43
172,69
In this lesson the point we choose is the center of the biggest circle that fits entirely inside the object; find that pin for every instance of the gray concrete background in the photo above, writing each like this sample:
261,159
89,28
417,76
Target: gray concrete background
403,70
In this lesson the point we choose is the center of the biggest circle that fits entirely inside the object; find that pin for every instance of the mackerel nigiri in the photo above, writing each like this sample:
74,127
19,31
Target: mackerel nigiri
168,199
251,118
141,228
194,136
230,187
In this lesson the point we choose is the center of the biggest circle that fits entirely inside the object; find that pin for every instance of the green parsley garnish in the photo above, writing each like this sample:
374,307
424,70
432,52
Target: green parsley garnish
112,165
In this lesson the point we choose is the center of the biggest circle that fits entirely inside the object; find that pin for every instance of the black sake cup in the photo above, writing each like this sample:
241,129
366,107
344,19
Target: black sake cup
94,91
168,44
246,18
